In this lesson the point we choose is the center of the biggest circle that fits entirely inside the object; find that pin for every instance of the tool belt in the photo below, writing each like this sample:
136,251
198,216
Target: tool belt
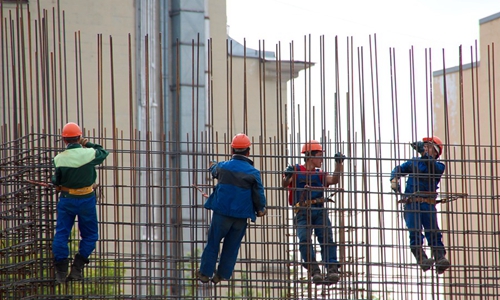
306,203
431,201
77,192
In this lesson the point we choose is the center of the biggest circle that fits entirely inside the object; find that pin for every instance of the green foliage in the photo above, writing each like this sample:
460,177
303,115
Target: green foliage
246,292
189,273
191,287
102,277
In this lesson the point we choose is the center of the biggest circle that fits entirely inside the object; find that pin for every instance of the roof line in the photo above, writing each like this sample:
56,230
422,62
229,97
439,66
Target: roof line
240,50
489,18
454,69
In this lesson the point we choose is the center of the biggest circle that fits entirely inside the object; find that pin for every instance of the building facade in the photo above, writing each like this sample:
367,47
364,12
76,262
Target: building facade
465,117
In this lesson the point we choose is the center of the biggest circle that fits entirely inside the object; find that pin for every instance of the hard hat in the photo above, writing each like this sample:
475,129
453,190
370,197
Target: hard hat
437,143
71,130
241,141
312,145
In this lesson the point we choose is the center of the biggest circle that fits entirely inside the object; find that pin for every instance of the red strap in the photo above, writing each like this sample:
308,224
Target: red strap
291,187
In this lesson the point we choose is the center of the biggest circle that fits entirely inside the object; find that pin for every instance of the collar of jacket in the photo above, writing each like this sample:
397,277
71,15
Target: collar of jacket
73,146
242,157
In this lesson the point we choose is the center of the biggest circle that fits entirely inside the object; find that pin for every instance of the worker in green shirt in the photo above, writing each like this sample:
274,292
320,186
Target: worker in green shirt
74,178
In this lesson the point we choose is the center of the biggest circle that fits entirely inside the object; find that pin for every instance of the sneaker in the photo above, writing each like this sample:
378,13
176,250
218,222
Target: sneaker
426,264
442,265
201,277
217,278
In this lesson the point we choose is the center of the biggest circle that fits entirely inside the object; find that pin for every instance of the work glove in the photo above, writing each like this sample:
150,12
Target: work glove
418,146
339,157
83,142
395,186
289,171
262,213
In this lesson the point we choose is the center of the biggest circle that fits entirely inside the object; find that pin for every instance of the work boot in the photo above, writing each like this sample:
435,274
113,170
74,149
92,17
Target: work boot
61,268
201,277
77,268
217,278
316,275
333,274
423,261
442,264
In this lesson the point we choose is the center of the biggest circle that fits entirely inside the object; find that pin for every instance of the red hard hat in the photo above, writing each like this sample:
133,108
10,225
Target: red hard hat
241,141
312,145
71,130
436,141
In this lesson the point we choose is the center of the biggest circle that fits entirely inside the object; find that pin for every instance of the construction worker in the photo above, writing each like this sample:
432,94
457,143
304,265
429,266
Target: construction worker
74,178
424,174
306,185
238,195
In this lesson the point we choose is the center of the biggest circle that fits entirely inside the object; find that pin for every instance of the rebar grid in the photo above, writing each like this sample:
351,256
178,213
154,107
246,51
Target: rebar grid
151,190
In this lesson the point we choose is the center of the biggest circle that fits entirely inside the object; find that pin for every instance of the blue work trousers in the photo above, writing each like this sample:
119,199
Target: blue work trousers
67,210
232,230
315,218
420,215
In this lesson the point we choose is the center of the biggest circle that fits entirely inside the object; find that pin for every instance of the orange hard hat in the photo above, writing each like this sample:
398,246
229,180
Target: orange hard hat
71,130
312,145
436,141
241,141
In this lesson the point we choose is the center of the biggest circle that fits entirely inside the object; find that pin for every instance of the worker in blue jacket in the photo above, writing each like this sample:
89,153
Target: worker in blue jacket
424,174
74,178
238,196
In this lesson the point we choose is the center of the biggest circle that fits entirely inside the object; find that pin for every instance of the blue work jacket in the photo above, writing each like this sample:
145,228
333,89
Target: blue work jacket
239,192
424,174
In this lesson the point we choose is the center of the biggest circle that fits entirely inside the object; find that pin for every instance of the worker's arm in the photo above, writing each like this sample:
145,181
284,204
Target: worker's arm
405,168
286,182
401,171
213,169
56,178
258,195
335,177
287,176
100,153
339,170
